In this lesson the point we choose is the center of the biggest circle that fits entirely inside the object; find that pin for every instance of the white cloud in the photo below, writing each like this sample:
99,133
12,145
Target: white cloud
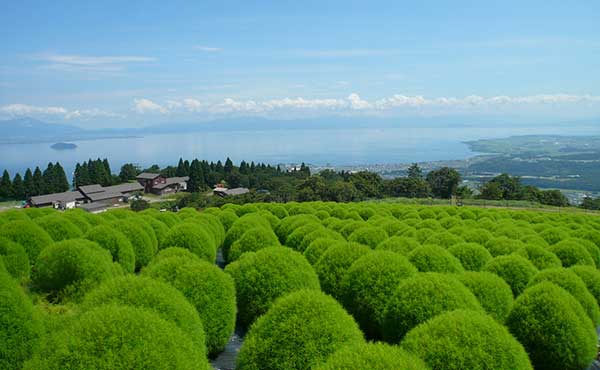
208,49
91,113
25,110
72,62
144,106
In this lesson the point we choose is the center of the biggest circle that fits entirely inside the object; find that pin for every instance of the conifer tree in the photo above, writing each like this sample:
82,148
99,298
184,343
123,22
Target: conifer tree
18,187
61,184
48,182
38,182
5,186
228,166
28,185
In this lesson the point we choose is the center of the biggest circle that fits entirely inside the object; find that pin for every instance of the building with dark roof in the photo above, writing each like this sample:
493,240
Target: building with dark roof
158,184
66,200
224,192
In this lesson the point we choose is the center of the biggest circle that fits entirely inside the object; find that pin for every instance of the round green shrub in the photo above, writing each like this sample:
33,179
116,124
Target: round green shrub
15,259
77,219
590,277
317,247
32,237
59,228
369,236
472,256
242,225
431,258
539,256
210,290
279,211
554,235
465,339
174,252
262,277
19,215
215,225
271,218
168,218
572,253
479,236
492,292
187,212
193,237
334,263
317,234
119,337
534,239
443,239
253,240
300,331
516,270
368,286
158,296
553,328
423,234
372,356
159,228
592,249
503,246
116,243
70,268
351,227
422,297
569,281
19,330
399,244
142,244
294,240
227,219
289,224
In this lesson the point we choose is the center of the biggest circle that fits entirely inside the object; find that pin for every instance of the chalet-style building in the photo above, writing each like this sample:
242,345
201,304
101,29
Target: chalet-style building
224,192
66,200
157,184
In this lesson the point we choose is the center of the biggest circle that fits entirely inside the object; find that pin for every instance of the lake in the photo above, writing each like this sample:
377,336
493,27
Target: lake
353,146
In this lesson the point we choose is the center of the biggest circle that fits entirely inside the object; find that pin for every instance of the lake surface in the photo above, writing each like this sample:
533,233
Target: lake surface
354,146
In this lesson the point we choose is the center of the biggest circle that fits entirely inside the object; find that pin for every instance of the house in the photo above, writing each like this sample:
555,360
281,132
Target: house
157,184
224,192
65,200
110,195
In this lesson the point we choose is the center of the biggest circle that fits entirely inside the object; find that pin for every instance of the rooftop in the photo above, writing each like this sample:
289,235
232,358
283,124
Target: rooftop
147,176
67,196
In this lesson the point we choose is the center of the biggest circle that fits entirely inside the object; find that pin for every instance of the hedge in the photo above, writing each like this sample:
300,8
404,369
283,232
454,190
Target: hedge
208,289
334,263
119,337
19,330
251,241
516,270
419,298
569,281
262,277
32,237
472,256
160,297
492,292
15,259
369,284
431,258
193,237
116,243
372,356
300,331
553,328
465,339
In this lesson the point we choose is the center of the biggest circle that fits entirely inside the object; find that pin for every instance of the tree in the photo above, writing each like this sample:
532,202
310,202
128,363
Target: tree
181,170
60,183
28,185
18,187
491,191
138,205
197,181
505,186
590,203
228,166
6,190
443,182
48,180
38,182
409,187
342,191
415,172
128,172
368,184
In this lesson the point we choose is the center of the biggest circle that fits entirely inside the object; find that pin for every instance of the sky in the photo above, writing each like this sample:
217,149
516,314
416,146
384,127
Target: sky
135,63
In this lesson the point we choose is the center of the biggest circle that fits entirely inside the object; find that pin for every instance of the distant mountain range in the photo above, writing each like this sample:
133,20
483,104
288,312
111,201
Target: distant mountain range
30,130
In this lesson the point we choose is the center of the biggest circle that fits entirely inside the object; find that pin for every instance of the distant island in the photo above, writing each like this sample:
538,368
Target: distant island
63,146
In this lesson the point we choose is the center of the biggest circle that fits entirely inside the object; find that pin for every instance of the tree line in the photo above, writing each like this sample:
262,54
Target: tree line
52,180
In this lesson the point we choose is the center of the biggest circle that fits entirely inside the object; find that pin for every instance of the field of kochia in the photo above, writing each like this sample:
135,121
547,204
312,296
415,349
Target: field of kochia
325,286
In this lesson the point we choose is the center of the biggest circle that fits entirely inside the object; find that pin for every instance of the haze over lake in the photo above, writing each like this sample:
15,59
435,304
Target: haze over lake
352,146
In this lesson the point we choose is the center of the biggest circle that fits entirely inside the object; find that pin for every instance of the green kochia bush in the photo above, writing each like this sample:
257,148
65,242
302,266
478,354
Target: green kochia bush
399,244
370,236
174,252
143,246
463,339
317,247
15,259
251,241
431,258
300,331
19,331
240,226
145,292
591,278
572,253
334,263
116,243
159,228
70,268
32,237
266,275
192,237
419,298
493,293
208,289
569,281
517,271
539,256
503,246
120,337
443,239
372,356
59,228
369,284
553,328
472,256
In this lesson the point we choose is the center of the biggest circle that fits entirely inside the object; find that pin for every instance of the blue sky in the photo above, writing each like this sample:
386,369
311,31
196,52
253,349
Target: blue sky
131,63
